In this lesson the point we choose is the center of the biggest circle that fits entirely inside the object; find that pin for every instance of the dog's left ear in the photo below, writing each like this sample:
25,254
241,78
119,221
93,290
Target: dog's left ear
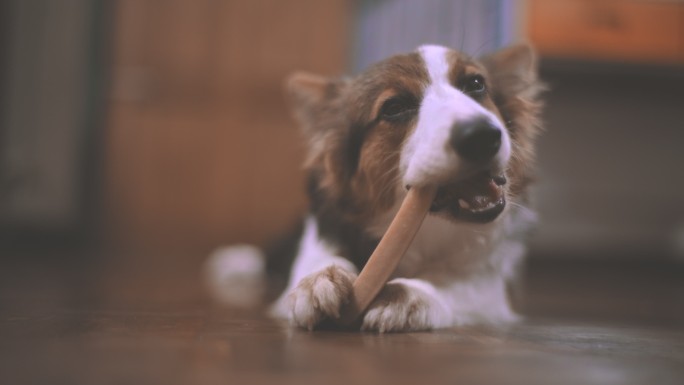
514,70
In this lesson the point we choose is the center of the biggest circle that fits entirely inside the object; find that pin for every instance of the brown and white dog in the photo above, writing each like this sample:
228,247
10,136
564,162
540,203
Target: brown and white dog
433,116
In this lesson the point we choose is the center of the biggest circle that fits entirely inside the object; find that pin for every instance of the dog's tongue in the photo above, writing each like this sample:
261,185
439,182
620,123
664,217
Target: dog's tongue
477,193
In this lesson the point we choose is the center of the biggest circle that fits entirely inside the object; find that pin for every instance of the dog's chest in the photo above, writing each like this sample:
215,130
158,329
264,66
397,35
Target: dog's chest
442,248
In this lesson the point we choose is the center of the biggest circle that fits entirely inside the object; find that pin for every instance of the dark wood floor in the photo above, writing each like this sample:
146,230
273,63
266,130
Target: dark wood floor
149,321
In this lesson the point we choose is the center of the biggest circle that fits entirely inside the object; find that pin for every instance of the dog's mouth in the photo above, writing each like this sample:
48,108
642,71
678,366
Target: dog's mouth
479,198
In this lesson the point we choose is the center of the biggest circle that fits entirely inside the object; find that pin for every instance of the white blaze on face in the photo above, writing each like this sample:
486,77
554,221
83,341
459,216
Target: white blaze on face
427,157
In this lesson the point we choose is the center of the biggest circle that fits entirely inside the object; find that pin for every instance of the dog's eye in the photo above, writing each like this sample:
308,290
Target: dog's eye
474,85
398,108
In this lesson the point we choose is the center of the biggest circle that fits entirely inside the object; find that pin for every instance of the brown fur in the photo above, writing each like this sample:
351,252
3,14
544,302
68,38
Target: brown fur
354,156
515,89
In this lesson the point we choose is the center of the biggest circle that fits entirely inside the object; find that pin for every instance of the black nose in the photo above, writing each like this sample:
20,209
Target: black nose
476,141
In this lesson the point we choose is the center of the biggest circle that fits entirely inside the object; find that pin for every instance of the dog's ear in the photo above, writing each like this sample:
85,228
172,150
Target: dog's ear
311,98
515,89
514,70
307,89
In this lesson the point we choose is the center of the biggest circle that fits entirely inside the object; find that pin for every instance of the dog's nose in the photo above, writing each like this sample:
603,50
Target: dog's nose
477,141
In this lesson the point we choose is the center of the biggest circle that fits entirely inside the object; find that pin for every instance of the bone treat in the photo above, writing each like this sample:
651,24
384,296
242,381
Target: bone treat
388,253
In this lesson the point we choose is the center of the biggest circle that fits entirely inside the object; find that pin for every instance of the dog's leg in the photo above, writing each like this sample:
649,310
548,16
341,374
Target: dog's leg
417,304
320,283
320,295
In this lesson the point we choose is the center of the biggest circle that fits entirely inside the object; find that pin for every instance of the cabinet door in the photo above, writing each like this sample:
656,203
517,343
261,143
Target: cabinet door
201,148
641,31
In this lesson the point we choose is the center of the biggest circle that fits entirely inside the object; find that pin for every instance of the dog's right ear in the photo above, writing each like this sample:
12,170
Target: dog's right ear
307,89
311,97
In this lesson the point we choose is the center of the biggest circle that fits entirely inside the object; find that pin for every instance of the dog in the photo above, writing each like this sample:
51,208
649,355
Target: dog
434,116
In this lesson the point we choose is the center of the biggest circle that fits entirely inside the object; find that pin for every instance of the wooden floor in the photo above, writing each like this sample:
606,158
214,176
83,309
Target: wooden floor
148,321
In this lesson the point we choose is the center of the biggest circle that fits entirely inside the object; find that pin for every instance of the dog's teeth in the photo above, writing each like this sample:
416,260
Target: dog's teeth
463,204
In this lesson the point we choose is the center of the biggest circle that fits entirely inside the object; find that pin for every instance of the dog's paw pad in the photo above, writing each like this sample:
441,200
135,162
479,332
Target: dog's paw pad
320,295
400,307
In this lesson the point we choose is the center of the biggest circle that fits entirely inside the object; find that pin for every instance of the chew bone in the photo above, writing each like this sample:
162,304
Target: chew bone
388,253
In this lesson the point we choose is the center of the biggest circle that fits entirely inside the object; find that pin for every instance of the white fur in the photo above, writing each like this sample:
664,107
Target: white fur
421,308
310,295
463,267
314,254
452,274
427,156
319,295
458,277
235,275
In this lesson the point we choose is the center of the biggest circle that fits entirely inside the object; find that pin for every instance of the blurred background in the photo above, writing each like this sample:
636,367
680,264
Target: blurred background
155,131
136,136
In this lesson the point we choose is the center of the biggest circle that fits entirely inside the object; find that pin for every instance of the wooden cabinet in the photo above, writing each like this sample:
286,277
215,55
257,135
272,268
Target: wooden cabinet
614,30
201,149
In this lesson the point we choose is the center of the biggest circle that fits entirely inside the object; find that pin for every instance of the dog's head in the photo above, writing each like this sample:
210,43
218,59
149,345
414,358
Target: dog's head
434,116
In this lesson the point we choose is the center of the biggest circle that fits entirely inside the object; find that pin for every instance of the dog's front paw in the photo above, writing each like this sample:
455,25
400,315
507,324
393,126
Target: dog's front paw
320,295
405,305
